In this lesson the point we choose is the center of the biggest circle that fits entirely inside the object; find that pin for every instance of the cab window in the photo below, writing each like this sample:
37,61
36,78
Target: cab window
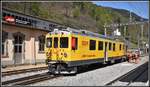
55,42
49,42
64,42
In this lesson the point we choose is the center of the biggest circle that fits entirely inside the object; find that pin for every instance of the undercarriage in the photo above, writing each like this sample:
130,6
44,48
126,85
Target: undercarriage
61,68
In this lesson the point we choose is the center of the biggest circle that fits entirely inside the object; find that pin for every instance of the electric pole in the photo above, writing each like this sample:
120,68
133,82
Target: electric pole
142,41
130,19
105,32
125,27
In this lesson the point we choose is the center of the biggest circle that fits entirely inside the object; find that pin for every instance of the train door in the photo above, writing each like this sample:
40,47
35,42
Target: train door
105,52
18,48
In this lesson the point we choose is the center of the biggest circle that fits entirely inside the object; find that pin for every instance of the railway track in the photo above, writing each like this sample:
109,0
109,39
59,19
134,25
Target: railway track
132,75
8,73
30,79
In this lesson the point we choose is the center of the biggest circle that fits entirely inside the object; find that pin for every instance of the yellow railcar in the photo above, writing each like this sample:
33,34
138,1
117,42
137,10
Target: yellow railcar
67,49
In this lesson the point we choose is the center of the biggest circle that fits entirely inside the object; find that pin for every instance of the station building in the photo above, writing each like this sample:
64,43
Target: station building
23,38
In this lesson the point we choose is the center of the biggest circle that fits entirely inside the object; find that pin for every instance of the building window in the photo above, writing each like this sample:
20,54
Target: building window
92,44
41,42
100,45
113,46
109,45
18,42
4,43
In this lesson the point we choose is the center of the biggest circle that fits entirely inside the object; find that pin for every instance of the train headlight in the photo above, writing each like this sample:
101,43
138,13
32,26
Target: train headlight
65,54
46,53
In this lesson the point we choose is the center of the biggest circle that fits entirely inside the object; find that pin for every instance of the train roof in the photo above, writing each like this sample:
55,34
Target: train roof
85,33
89,33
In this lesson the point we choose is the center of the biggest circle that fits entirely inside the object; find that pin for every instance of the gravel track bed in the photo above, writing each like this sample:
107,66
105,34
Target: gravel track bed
16,76
137,78
97,77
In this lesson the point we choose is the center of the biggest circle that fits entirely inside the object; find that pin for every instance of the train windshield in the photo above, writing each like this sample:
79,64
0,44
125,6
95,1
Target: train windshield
55,42
49,42
64,42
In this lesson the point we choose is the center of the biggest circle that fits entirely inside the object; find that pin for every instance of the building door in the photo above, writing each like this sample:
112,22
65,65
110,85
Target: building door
105,52
18,48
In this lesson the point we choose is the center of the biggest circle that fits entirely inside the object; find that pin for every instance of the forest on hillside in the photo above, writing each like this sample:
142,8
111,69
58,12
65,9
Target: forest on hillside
80,15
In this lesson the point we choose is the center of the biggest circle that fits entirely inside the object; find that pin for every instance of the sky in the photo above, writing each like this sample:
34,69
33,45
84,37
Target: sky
140,8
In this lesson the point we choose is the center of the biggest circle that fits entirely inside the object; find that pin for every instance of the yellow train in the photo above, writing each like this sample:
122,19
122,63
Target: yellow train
67,49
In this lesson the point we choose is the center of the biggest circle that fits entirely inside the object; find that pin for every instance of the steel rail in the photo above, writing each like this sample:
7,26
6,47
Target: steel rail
129,73
8,73
30,79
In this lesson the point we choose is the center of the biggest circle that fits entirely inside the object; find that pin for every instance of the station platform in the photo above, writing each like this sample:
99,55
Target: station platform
21,67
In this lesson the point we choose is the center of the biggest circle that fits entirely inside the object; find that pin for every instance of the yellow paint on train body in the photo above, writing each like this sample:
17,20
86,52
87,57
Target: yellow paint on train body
83,51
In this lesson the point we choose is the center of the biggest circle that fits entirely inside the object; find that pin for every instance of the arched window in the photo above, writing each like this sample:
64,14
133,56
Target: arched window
18,41
41,42
4,43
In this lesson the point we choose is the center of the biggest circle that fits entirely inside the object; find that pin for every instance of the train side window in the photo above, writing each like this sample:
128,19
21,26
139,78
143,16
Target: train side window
74,43
100,45
16,17
120,47
92,45
19,18
109,45
113,46
26,19
126,47
13,16
8,14
55,42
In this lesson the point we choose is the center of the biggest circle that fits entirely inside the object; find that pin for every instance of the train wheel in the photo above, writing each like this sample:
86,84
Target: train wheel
72,70
112,61
122,59
125,59
51,69
58,69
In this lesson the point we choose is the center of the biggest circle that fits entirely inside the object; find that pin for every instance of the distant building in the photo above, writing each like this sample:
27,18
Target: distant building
23,38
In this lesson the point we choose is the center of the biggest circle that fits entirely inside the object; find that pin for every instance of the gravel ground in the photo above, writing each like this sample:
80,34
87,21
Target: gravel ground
119,83
138,84
11,77
98,77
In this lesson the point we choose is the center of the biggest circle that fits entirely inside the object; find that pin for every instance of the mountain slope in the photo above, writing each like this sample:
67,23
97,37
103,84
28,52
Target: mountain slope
81,15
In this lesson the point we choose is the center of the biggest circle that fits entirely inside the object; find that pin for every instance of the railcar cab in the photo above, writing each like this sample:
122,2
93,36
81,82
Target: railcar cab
59,44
